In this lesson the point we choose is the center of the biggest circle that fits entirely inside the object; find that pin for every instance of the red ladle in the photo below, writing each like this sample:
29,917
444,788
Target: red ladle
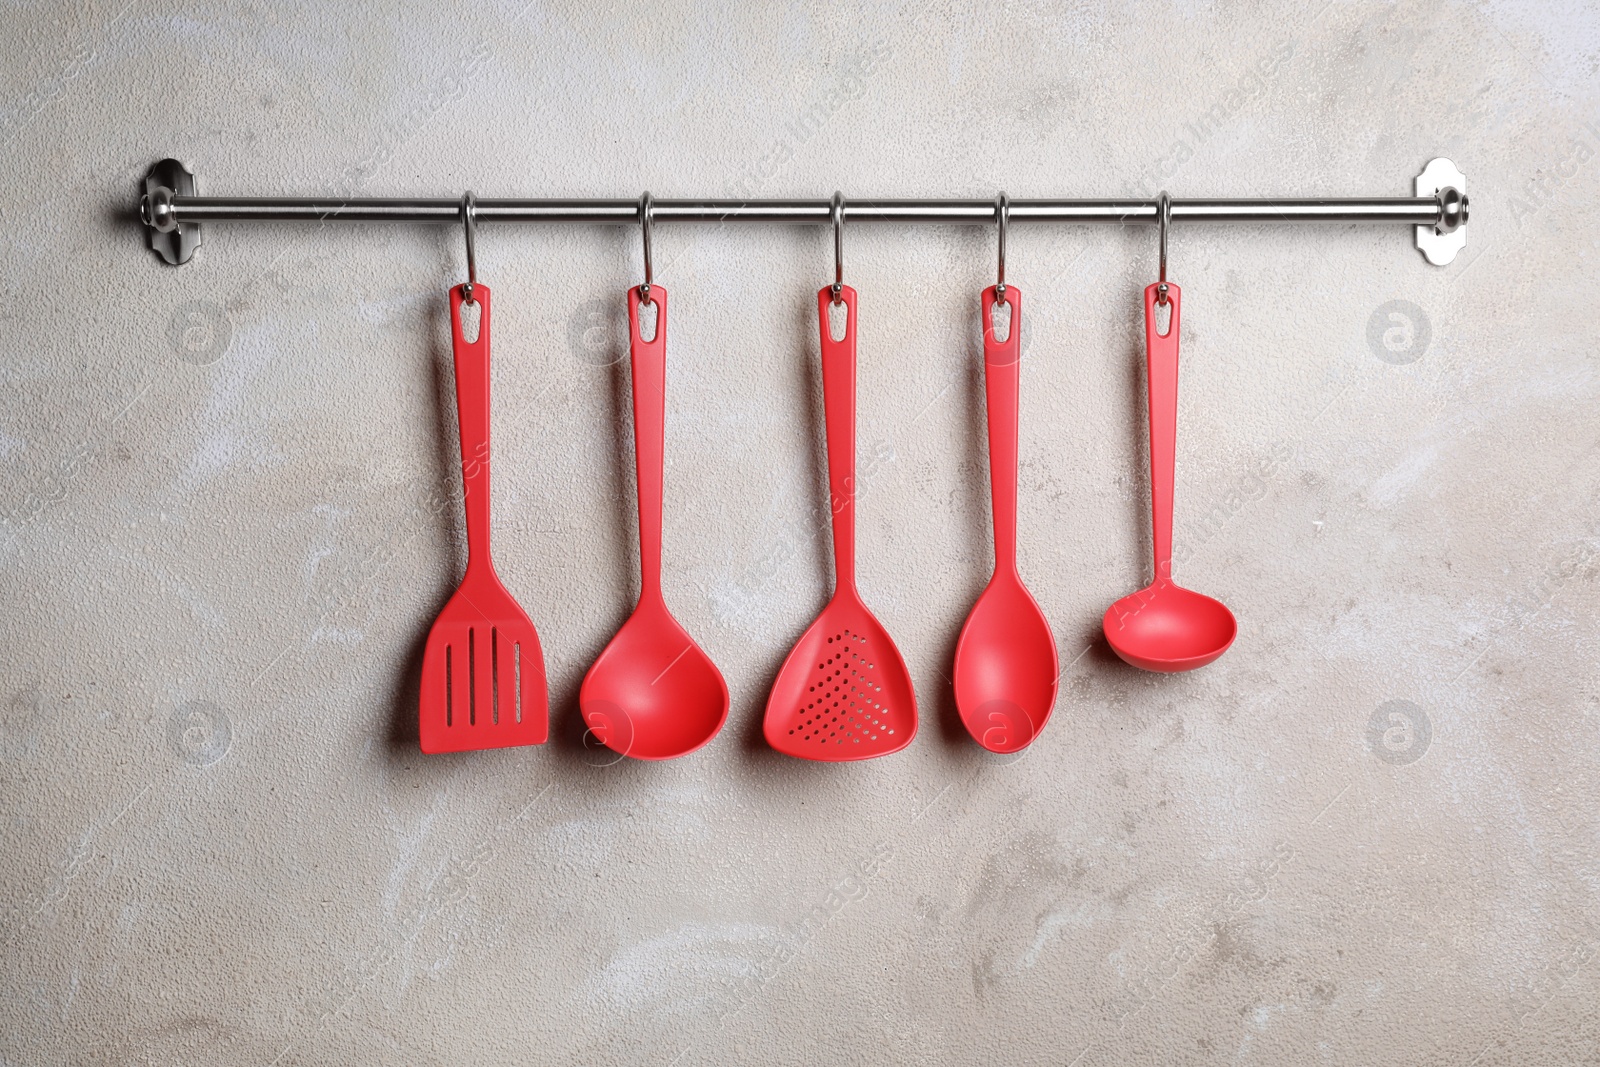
844,692
1165,627
1005,670
653,693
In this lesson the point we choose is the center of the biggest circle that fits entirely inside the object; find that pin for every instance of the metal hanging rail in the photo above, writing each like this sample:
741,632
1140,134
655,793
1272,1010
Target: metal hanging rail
172,210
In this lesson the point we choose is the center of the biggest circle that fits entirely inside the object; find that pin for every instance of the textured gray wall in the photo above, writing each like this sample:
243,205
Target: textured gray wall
222,547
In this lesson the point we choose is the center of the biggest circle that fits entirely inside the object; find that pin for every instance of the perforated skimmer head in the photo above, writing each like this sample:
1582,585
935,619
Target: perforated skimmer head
844,693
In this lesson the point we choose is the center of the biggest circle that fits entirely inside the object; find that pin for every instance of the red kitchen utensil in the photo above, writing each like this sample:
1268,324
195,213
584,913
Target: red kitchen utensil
844,692
1165,627
653,693
1005,668
483,682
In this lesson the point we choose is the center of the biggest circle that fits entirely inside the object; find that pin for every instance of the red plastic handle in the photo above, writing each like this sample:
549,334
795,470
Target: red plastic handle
1161,372
839,413
472,414
1002,379
649,360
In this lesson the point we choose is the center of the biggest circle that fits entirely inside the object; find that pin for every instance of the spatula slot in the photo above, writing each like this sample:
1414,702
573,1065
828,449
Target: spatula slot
472,677
494,675
516,670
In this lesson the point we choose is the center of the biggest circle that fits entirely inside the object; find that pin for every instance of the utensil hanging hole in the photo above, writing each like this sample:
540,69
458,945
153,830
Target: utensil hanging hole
471,319
472,677
649,313
516,670
838,320
1163,317
1000,321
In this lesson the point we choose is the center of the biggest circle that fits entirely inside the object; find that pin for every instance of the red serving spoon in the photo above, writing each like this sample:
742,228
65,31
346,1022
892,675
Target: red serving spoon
844,692
483,683
652,694
1005,670
1165,627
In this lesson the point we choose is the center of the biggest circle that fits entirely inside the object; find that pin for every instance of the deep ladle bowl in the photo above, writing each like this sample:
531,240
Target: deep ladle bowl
1165,627
653,694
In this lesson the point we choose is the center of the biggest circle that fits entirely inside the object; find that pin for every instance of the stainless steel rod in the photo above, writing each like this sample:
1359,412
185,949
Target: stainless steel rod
1406,210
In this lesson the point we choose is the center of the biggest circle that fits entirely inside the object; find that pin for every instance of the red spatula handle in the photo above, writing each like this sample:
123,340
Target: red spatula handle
649,360
1161,372
1002,376
472,412
839,412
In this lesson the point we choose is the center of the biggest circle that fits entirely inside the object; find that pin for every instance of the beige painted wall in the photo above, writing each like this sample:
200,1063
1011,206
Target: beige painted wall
220,550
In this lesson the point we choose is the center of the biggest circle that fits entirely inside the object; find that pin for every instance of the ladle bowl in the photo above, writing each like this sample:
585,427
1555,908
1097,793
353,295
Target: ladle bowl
1165,627
653,693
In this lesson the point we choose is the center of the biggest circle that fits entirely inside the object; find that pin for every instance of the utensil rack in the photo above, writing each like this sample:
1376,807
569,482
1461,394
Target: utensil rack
173,211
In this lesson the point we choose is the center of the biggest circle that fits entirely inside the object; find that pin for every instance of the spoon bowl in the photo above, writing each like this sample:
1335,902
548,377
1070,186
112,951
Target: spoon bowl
1165,627
1006,667
653,693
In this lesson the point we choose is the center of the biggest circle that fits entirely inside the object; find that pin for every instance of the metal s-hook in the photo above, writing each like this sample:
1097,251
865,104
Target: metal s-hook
1002,216
646,216
837,214
469,222
1164,221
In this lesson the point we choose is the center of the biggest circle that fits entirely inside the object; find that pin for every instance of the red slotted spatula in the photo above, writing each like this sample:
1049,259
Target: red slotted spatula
844,692
483,683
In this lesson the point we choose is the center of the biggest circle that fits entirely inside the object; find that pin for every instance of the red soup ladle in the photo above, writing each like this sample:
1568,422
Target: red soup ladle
653,693
1165,627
